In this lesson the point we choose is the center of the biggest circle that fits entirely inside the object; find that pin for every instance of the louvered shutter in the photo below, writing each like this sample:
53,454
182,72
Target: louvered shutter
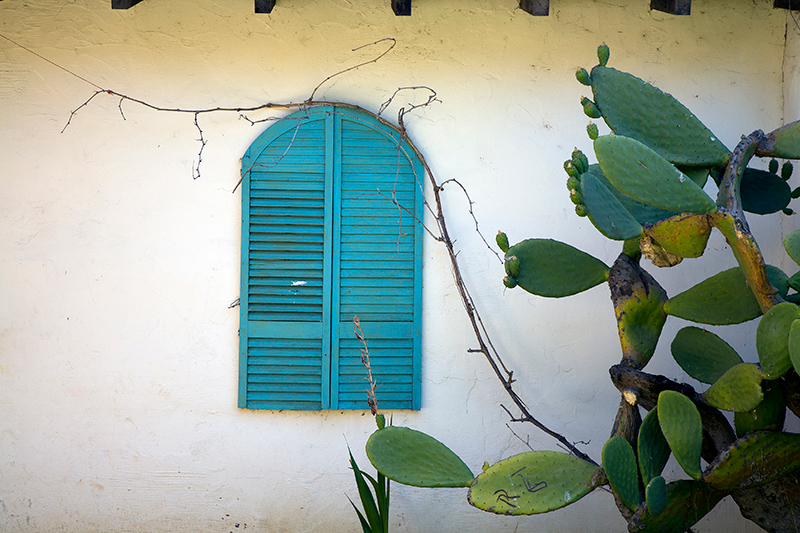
321,243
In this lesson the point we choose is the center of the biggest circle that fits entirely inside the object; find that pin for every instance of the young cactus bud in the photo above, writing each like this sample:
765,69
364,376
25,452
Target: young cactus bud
580,161
787,211
786,171
773,166
572,184
571,170
512,266
575,198
380,420
583,76
509,282
796,193
590,108
592,130
602,54
502,241
580,210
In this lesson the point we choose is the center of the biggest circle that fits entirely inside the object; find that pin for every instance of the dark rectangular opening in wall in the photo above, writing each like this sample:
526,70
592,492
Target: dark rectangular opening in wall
539,8
673,7
794,5
123,4
264,6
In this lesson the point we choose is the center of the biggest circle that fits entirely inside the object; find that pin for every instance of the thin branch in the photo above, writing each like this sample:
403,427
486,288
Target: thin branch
394,43
474,218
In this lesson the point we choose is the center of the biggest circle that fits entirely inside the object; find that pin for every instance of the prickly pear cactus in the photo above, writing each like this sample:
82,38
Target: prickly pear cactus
648,190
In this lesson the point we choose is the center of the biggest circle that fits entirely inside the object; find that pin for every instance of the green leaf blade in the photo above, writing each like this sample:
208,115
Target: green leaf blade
702,354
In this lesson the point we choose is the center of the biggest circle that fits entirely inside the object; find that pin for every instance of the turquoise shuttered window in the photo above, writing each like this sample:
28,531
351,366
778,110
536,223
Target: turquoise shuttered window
322,243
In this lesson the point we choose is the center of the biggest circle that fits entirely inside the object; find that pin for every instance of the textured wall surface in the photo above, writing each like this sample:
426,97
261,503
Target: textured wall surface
118,349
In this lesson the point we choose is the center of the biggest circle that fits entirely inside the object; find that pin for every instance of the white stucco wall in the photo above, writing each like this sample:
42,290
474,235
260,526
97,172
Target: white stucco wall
118,351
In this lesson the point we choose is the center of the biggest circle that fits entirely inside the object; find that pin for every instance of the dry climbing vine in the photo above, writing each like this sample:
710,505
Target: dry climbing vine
442,235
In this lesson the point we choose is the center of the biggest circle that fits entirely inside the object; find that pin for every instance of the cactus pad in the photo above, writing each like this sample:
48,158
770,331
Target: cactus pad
555,269
721,299
532,483
702,354
794,345
683,235
643,213
687,502
656,495
769,415
739,389
414,458
682,427
619,464
652,447
792,245
639,172
772,339
763,192
638,110
755,459
606,212
787,141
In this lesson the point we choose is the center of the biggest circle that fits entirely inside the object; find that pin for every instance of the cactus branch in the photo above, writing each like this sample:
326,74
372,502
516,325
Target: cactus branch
731,222
717,432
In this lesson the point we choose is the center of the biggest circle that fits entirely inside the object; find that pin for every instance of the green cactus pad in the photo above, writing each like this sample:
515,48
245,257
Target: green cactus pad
722,299
763,193
643,213
413,458
606,212
794,345
682,427
739,389
702,354
792,245
639,172
652,447
619,464
555,269
769,415
656,495
755,459
687,502
772,339
638,110
683,235
532,483
787,141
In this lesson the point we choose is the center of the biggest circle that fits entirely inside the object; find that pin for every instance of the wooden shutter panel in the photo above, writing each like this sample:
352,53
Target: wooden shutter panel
321,245
286,261
379,257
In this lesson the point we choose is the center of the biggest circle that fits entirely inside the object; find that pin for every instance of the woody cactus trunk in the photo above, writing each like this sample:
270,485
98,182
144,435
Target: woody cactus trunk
647,191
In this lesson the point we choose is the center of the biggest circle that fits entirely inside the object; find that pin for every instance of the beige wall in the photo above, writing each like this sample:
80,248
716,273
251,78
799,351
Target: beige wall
118,352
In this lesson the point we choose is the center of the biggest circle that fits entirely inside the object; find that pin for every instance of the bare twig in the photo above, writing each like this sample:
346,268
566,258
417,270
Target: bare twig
373,60
372,400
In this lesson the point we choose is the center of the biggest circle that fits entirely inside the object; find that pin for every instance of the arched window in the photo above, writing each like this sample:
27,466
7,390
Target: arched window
322,242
